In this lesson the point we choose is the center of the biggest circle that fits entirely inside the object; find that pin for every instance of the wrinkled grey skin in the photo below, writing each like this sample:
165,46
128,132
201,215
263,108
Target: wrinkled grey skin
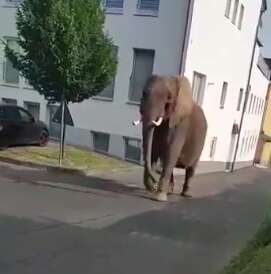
179,140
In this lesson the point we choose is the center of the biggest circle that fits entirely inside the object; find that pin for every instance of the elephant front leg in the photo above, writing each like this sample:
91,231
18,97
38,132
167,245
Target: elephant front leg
172,155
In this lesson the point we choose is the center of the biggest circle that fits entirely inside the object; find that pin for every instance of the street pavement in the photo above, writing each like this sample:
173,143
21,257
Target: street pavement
53,223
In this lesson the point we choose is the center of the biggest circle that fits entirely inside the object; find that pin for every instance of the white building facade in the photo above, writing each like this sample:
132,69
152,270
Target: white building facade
210,41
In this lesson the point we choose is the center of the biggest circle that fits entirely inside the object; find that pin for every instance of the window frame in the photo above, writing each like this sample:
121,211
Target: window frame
113,10
126,144
228,8
9,101
200,98
36,104
147,12
96,133
240,99
102,96
5,62
250,103
223,95
131,100
213,146
242,147
241,17
235,12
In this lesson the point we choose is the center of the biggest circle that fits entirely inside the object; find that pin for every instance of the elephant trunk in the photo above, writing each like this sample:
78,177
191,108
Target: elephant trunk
148,159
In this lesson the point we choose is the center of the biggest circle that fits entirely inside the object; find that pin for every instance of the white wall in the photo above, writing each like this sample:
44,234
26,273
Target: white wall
218,49
252,120
164,34
22,93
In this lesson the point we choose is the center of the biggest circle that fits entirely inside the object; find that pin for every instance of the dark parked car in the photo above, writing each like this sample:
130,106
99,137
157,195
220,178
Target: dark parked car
18,127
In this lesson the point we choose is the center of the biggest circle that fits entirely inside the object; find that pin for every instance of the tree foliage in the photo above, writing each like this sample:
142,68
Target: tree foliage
65,50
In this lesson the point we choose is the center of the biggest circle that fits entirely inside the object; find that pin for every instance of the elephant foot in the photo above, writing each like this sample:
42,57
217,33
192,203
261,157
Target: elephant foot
160,197
185,195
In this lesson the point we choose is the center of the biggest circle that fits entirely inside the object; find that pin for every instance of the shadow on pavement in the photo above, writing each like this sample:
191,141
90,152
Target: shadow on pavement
196,236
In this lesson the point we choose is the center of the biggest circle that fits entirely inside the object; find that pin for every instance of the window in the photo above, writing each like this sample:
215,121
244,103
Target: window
240,99
250,103
213,147
246,145
11,75
260,103
9,101
228,9
256,105
223,95
242,146
241,17
253,105
114,6
132,149
34,109
235,10
148,6
198,87
250,143
108,92
101,141
26,117
142,70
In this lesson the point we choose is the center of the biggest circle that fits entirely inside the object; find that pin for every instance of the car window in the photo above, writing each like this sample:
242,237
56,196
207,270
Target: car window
2,113
25,116
12,113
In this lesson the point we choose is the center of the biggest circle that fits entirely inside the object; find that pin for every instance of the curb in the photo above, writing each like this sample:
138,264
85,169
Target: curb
59,169
72,171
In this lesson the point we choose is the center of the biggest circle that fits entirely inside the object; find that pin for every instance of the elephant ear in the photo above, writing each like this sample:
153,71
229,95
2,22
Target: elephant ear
183,102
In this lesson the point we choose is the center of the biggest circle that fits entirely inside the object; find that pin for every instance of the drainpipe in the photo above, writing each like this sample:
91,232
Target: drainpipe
187,31
263,8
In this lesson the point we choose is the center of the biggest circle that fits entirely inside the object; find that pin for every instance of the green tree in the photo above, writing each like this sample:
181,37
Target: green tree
66,54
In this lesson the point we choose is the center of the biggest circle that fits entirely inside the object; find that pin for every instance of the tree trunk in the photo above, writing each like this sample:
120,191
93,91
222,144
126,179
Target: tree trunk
62,132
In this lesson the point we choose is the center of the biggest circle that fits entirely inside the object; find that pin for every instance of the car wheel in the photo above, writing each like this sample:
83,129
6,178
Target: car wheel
44,138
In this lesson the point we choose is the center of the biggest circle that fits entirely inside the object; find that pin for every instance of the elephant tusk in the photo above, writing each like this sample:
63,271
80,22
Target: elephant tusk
136,123
158,122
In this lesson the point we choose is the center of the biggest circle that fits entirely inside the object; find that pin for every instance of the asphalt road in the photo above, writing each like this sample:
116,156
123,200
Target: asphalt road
59,224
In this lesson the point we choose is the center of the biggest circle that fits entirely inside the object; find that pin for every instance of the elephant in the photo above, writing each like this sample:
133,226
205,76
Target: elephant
174,131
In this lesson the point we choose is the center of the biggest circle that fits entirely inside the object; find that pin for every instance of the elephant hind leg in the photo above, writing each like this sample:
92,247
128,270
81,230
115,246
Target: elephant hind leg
171,184
189,173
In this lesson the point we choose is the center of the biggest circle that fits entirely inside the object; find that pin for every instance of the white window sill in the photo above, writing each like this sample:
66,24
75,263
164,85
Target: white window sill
28,87
114,11
135,103
101,98
150,13
10,85
133,161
